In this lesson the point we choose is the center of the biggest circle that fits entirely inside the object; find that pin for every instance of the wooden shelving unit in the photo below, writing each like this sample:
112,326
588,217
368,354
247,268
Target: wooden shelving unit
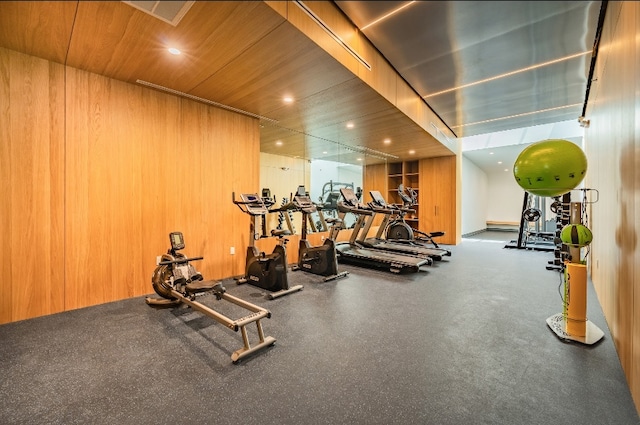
405,173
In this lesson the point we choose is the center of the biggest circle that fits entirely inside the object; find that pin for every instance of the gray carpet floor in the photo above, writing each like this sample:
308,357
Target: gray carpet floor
464,341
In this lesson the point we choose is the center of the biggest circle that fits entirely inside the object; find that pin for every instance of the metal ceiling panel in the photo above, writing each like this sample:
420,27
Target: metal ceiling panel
443,45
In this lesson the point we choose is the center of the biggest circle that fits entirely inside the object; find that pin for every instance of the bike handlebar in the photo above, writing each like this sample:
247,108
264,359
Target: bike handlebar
179,260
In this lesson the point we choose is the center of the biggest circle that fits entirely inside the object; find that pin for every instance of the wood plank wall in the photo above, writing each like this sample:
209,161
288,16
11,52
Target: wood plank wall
87,212
32,186
612,145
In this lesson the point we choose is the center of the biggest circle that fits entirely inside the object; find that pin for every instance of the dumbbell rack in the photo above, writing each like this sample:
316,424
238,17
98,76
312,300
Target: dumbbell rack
286,215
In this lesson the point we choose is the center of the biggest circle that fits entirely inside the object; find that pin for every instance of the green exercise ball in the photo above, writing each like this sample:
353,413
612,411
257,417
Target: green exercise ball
550,167
576,235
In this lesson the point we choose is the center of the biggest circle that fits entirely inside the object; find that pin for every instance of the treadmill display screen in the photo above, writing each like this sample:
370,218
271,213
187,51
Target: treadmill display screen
349,196
377,197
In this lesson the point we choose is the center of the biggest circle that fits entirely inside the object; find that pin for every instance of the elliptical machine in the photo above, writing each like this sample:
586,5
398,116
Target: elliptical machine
322,259
178,282
398,229
265,271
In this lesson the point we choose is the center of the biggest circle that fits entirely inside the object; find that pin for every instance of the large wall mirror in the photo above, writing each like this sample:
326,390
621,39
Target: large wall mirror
323,167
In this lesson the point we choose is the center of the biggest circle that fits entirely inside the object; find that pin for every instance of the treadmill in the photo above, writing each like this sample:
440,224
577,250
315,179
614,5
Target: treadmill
352,252
379,205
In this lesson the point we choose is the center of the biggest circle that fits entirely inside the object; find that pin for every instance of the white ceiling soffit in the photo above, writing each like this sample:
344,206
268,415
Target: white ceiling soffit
570,130
170,12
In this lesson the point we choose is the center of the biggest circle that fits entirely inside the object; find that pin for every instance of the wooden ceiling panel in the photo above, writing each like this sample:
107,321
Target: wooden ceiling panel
284,62
242,54
119,41
37,28
282,141
344,102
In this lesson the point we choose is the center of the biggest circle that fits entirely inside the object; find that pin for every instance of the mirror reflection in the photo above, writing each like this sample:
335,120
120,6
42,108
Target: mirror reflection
332,167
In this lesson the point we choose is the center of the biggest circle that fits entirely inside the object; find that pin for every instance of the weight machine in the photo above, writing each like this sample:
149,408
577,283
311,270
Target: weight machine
532,232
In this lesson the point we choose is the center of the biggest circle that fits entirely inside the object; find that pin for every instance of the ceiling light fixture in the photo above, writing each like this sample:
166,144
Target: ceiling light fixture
287,99
174,51
508,74
411,152
393,12
279,143
350,125
387,141
517,115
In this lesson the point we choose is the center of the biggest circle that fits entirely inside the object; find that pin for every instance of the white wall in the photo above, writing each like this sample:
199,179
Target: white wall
504,198
474,198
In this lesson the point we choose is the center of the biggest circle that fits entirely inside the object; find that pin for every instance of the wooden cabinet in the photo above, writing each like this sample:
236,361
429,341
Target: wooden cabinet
435,181
437,197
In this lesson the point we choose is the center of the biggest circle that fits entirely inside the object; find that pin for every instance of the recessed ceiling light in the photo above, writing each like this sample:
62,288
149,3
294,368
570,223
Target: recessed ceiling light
279,143
174,51
490,153
359,159
499,162
411,152
506,169
287,99
324,152
393,12
387,141
508,74
350,125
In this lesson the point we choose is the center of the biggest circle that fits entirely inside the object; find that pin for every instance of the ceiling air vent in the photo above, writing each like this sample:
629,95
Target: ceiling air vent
170,12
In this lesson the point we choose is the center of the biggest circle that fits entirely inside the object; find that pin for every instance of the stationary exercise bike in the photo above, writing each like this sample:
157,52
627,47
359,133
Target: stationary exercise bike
322,259
266,271
399,230
178,282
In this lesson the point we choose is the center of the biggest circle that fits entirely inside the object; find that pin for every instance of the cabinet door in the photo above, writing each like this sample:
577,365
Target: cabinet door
437,197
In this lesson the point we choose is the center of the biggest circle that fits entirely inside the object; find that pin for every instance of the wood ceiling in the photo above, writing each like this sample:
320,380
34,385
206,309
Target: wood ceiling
245,55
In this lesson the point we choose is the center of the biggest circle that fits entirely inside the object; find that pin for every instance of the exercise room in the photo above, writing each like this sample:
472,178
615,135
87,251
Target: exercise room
327,212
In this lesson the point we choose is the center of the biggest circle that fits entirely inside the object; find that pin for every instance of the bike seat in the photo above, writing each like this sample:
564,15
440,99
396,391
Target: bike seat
265,258
280,232
204,286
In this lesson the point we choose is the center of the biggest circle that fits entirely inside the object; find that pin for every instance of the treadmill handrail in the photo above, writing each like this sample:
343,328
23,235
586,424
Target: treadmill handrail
358,209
